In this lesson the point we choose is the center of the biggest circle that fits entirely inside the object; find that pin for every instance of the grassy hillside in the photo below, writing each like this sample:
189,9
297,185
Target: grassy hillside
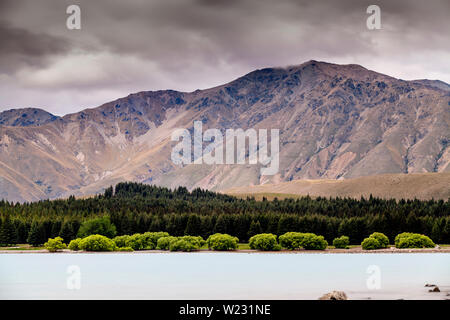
422,186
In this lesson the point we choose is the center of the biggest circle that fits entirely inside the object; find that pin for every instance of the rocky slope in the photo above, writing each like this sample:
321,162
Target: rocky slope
335,121
26,117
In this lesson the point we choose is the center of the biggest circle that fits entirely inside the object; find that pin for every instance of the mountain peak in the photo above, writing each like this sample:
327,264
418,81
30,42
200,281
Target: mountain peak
335,121
25,117
330,67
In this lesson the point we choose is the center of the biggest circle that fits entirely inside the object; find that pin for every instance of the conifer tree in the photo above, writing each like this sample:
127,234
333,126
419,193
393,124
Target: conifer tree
193,226
255,228
67,232
36,236
221,225
8,235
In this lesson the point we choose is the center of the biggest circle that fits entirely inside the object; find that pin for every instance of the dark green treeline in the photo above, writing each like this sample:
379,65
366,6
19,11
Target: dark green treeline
137,208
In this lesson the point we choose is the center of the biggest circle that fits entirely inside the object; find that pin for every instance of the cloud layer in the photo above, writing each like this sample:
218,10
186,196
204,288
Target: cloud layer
130,46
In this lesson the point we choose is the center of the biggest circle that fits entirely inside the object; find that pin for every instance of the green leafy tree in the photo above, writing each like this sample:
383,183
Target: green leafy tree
341,243
292,240
74,244
312,241
382,239
413,240
370,244
102,226
264,242
222,242
183,245
97,242
164,242
121,241
186,243
55,244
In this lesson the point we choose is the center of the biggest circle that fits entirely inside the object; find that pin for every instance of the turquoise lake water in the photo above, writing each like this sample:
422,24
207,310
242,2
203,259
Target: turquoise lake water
223,275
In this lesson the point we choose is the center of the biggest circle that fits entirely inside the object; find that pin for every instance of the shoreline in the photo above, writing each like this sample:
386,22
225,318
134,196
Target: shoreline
356,250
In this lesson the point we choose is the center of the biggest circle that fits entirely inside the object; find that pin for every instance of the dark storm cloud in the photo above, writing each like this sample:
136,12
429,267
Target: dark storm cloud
20,48
127,46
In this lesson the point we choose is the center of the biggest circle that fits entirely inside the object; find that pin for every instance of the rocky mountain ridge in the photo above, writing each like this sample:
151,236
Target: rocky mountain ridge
335,121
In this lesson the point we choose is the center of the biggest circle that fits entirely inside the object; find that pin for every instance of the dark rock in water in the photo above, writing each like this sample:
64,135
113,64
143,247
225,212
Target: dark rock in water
335,295
430,285
435,289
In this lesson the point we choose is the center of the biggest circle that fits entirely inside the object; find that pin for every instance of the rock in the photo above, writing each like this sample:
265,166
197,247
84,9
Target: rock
435,289
335,295
430,285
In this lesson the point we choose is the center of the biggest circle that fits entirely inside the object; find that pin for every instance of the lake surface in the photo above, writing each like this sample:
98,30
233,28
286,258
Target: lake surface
222,275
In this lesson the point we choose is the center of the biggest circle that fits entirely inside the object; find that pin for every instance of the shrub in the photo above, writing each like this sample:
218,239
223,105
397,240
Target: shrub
183,245
314,242
151,238
341,243
265,242
124,249
121,241
155,236
370,243
55,244
308,241
382,239
74,245
135,241
164,242
292,240
400,236
144,241
97,242
222,242
101,226
414,240
376,240
195,240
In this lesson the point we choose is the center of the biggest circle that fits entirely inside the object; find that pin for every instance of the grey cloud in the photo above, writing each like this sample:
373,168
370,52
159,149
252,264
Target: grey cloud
20,48
146,45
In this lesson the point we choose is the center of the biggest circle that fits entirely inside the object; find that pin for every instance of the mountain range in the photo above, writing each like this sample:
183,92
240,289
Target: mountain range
335,122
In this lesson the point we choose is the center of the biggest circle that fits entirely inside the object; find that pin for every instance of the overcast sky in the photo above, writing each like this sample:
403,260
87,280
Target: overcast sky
135,45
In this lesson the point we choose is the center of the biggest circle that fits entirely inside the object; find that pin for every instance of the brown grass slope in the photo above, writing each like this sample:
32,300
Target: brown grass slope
422,186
